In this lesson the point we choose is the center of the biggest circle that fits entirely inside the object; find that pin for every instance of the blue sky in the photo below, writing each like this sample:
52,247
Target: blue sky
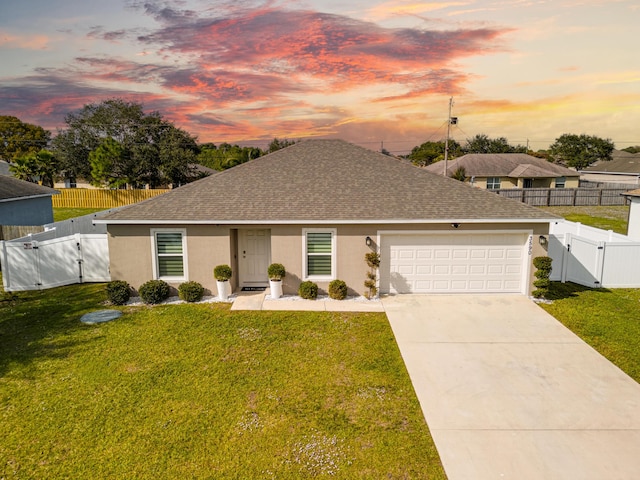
366,71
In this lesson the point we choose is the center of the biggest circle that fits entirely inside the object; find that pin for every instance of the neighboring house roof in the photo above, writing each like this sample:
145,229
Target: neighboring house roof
13,189
512,165
632,193
325,181
621,163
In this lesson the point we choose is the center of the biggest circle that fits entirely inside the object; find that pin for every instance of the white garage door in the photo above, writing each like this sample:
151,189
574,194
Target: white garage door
453,263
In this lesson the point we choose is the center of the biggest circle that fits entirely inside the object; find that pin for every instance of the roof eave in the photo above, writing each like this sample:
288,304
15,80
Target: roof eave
28,197
310,221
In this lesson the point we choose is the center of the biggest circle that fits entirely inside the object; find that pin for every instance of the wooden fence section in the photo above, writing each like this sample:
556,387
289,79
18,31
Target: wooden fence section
9,232
90,198
557,197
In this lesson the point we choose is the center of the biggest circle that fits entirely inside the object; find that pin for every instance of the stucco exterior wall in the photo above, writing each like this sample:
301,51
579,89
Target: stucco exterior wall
131,254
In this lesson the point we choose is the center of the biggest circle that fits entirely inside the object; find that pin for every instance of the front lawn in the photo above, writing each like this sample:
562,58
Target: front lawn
198,391
608,320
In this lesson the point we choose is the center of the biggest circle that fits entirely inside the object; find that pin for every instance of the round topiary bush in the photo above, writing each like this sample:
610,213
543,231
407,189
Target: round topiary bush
190,291
154,291
276,271
118,292
308,290
338,290
222,273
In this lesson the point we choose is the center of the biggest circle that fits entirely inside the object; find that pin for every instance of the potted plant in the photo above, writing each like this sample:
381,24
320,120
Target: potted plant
276,273
222,274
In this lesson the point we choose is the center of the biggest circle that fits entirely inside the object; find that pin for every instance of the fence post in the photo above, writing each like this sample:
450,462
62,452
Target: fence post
565,257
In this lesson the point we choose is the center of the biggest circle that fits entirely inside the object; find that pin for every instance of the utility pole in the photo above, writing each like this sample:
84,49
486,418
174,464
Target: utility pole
450,121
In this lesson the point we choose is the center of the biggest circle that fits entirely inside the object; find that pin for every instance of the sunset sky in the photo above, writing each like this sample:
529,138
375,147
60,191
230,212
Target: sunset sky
367,71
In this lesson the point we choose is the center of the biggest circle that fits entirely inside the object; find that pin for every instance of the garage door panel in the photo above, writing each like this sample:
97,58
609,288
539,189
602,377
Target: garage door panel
455,263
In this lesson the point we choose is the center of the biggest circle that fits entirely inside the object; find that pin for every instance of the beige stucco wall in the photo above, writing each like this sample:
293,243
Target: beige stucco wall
208,245
131,257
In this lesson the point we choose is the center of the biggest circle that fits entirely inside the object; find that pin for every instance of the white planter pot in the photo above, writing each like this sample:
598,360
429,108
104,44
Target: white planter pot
224,289
276,288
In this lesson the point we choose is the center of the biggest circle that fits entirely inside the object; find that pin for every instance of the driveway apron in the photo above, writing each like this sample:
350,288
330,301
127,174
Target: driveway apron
508,392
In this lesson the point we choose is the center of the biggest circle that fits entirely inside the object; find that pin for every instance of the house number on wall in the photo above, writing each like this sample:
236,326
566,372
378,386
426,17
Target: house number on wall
530,244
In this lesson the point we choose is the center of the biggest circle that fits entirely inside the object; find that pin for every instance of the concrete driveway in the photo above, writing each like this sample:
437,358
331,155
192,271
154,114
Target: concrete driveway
509,393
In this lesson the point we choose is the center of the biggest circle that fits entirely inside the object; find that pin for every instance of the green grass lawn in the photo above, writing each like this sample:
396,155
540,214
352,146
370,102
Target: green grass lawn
60,213
607,218
198,391
606,319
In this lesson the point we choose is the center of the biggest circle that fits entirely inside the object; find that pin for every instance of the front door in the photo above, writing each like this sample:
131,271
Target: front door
253,259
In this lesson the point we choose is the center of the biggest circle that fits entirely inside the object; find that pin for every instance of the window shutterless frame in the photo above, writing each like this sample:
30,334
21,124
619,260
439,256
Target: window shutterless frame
319,254
169,250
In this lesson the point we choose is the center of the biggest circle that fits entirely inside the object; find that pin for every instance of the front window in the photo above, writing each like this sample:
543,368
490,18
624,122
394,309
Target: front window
319,253
528,183
493,183
560,182
169,254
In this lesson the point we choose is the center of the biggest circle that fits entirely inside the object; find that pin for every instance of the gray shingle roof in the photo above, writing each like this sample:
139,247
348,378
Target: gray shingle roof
319,181
13,189
504,165
622,162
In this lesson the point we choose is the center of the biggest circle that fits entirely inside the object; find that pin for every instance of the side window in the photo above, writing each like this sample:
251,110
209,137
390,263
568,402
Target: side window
319,253
493,183
169,251
560,182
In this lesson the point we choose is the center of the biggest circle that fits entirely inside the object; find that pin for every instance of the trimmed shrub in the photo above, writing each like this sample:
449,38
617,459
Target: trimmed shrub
190,291
154,291
276,271
372,259
222,273
543,265
337,290
118,292
308,290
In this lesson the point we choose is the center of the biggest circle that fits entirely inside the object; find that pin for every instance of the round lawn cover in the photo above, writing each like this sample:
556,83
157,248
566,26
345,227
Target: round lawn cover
100,316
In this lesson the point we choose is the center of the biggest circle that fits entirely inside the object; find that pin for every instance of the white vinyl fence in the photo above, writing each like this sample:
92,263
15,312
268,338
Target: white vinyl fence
35,265
593,257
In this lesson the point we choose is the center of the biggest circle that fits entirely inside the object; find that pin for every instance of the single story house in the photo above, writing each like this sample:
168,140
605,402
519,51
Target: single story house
318,207
494,171
24,203
624,167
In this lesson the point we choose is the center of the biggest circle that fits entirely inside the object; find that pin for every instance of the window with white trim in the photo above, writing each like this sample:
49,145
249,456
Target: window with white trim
319,254
169,254
493,183
561,182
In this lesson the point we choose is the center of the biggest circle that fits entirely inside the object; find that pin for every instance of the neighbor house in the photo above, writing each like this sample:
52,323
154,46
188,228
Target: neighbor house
624,167
318,207
24,203
494,171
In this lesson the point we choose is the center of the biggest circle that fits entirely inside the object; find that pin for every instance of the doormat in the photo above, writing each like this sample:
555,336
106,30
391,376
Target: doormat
254,289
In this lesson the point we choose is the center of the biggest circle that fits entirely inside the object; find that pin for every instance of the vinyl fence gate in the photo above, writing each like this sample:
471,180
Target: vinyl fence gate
34,265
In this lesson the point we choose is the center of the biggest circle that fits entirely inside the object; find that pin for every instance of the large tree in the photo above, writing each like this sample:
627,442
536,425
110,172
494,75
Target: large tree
580,151
155,152
430,152
39,167
18,138
481,143
225,155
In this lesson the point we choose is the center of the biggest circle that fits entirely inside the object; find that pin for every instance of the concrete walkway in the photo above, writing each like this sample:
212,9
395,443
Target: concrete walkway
260,301
509,393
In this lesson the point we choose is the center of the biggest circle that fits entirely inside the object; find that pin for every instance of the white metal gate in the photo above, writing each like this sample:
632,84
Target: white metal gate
34,265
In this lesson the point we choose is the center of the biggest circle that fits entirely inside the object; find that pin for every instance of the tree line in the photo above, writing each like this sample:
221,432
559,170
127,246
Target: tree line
115,144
